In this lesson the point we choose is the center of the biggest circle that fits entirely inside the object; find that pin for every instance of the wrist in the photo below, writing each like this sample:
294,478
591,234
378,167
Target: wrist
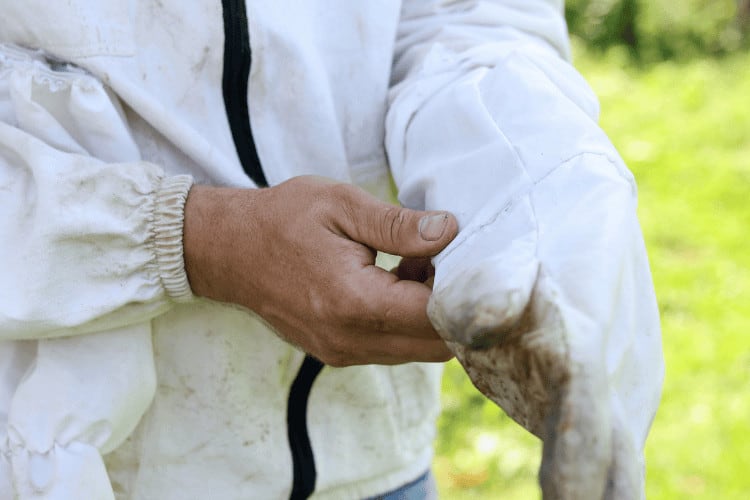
214,219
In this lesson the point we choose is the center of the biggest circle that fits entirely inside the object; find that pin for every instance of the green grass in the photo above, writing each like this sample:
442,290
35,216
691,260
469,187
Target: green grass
684,131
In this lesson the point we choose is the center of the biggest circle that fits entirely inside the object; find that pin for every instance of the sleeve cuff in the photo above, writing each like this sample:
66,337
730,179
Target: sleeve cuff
167,236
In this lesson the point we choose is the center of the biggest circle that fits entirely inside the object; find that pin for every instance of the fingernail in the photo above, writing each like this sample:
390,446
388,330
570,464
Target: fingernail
432,227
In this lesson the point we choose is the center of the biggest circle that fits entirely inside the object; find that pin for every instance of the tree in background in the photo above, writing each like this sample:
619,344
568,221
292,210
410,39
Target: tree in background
655,30
743,15
604,23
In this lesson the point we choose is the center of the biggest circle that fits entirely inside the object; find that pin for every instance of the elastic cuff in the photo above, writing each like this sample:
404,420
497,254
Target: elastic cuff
169,213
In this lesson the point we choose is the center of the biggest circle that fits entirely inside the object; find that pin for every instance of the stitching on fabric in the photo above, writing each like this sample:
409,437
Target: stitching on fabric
40,67
527,190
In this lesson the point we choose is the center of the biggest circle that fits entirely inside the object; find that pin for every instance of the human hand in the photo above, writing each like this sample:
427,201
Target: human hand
550,309
302,256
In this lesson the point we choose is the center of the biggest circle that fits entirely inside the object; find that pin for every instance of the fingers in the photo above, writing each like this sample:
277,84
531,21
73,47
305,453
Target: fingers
415,269
397,306
389,350
392,229
385,323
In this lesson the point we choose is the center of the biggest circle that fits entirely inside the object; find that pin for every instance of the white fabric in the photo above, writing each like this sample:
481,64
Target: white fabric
545,295
96,159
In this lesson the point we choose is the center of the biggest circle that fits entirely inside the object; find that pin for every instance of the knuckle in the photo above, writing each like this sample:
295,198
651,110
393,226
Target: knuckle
326,198
336,357
327,202
351,305
338,361
392,224
444,357
379,324
382,321
341,203
333,350
341,194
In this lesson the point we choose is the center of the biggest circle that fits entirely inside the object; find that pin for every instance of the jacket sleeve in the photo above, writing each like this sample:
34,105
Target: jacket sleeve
489,120
483,98
90,235
91,250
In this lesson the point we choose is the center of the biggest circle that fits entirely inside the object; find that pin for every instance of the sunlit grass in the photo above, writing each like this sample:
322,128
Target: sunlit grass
684,130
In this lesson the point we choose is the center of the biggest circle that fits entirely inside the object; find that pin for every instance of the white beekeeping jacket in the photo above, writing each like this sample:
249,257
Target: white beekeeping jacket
114,380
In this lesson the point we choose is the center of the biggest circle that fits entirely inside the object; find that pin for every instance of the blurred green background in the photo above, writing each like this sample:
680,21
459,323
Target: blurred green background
673,78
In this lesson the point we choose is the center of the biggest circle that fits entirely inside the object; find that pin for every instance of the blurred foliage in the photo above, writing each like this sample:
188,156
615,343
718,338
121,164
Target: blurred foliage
654,30
684,130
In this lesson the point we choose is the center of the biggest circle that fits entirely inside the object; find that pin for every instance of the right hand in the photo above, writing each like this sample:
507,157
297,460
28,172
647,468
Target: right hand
302,256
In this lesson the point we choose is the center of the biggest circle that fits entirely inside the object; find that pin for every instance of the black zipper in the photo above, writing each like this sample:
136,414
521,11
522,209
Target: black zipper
296,420
237,61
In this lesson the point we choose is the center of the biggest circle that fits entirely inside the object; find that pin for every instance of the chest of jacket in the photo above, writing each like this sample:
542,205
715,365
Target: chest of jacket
316,91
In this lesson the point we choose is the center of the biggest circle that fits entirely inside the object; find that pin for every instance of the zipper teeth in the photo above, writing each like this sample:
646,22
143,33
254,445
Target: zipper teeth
237,62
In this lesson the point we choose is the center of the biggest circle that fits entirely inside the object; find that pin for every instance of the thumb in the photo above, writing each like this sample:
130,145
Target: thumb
396,230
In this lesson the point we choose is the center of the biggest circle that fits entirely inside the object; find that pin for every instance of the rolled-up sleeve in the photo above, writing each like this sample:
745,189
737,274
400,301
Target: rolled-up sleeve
484,99
488,119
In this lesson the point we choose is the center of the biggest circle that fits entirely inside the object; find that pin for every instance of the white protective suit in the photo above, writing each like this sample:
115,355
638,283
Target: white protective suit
111,109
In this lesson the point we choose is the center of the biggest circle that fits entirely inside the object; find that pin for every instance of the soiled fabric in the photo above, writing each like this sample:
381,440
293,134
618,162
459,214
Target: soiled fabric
545,296
115,381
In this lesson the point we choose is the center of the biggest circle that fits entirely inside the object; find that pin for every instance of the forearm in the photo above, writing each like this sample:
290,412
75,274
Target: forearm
207,234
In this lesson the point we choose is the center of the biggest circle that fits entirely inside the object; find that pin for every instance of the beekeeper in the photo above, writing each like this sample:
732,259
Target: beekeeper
169,330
